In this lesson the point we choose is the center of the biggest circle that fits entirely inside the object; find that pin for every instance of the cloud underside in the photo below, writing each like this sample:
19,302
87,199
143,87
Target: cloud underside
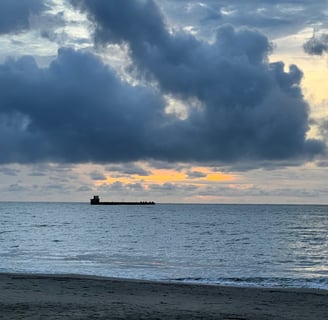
79,110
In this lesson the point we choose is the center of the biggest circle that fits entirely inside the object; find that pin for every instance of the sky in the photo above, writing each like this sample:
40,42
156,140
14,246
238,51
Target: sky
174,101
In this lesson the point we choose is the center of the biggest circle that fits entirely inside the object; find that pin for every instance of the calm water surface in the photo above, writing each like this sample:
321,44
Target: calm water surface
253,245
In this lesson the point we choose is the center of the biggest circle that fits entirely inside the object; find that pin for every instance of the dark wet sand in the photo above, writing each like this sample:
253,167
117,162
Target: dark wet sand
79,297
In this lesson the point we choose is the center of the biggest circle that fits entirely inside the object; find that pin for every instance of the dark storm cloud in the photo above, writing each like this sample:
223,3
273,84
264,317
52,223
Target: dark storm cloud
317,45
15,14
76,110
250,108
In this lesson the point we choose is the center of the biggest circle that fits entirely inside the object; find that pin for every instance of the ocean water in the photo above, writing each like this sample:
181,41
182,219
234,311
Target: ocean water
240,245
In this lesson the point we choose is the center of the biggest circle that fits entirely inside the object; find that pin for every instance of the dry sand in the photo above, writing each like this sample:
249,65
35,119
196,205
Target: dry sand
78,297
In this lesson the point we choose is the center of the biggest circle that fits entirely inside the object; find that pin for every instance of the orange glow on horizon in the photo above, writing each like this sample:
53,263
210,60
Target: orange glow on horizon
214,176
162,176
220,177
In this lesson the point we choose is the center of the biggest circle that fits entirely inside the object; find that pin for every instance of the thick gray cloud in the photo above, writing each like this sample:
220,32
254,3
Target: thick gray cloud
250,107
78,110
15,14
317,45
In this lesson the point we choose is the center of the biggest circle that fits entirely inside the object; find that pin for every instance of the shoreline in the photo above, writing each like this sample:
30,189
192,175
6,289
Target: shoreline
71,296
188,281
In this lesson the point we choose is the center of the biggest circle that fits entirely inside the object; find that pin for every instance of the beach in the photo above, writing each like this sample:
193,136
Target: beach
26,296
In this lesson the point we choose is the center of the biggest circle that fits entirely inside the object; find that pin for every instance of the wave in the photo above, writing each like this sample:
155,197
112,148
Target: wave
259,282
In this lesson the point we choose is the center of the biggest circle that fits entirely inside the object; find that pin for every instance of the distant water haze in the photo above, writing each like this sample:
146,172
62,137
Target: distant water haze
243,245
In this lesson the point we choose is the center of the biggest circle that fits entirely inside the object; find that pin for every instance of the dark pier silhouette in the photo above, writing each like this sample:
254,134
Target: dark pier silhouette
96,201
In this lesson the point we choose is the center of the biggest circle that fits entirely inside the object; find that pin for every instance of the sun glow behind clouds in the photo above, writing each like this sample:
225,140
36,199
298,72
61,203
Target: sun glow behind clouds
315,78
193,175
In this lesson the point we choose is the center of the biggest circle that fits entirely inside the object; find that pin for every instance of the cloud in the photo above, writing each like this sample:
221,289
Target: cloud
250,108
15,14
322,164
285,16
317,45
76,110
323,128
16,188
276,18
37,174
84,189
128,169
196,174
172,188
95,175
9,171
79,110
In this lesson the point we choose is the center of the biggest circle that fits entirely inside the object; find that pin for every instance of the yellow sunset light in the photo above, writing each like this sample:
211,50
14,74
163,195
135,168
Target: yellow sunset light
161,176
220,177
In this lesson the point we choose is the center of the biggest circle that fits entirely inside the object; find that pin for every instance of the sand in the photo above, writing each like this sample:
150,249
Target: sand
80,297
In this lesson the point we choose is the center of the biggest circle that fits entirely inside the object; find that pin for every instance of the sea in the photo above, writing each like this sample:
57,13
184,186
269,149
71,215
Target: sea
235,245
